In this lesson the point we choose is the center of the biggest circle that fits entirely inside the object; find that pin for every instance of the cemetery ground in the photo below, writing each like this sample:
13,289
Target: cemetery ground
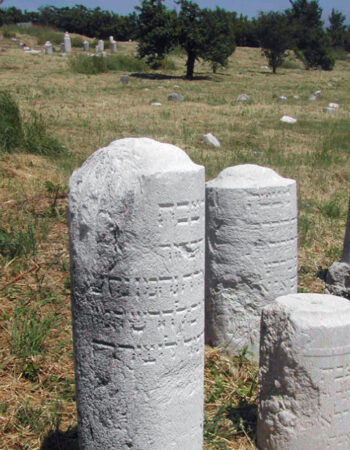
86,112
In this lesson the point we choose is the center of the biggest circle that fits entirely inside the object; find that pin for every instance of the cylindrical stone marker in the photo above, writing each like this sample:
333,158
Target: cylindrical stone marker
48,48
67,43
113,47
86,46
304,400
101,45
251,255
136,226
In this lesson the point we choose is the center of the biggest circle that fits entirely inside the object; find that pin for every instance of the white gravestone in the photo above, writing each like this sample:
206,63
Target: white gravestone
251,255
48,48
67,43
101,45
113,47
86,46
136,224
304,400
338,275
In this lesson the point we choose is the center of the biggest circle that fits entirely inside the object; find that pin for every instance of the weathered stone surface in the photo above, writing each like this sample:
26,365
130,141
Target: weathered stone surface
304,400
338,279
175,97
329,110
211,140
124,79
243,98
48,48
136,223
113,46
67,43
251,258
101,45
288,119
282,99
86,46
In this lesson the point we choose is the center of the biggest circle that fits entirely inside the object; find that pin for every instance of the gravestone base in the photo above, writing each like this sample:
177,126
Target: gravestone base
338,279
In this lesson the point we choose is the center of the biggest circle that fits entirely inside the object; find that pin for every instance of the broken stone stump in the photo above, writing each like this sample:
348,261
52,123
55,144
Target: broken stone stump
338,275
251,252
136,230
304,400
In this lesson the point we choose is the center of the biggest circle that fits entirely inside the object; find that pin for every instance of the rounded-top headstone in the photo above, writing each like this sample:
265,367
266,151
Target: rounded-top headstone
304,397
175,97
251,220
136,222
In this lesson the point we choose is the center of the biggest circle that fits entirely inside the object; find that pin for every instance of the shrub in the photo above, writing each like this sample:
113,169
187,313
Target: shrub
8,32
88,65
77,41
10,123
36,139
125,63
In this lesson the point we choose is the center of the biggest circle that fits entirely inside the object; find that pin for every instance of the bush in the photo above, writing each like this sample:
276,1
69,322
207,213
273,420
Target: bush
10,123
77,41
36,139
88,65
125,63
8,32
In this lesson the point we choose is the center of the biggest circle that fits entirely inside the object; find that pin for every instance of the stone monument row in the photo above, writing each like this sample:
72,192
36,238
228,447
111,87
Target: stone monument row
251,252
136,227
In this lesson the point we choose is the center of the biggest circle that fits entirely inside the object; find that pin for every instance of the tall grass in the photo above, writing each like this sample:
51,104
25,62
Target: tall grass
42,34
93,65
11,133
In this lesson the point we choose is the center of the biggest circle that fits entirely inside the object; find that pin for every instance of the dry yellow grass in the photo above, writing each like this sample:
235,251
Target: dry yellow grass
87,112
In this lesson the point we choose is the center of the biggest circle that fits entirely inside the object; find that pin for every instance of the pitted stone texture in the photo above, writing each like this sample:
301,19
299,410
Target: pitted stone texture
338,279
304,400
251,257
136,222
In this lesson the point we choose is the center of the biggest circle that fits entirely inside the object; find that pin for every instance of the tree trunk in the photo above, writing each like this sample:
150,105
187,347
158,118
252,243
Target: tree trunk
191,58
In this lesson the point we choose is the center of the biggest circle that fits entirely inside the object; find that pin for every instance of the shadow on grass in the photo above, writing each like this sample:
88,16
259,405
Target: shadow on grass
160,76
244,417
61,440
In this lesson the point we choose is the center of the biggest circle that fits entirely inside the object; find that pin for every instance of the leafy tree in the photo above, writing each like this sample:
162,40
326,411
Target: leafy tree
336,29
274,36
204,34
156,31
219,41
308,34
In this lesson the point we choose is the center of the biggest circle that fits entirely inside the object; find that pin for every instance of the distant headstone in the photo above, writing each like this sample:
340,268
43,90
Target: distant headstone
312,97
124,79
329,110
101,45
243,98
136,227
288,119
296,97
67,43
175,97
330,84
48,48
318,93
62,47
86,46
333,105
338,275
304,400
113,47
251,232
282,99
111,39
156,104
211,140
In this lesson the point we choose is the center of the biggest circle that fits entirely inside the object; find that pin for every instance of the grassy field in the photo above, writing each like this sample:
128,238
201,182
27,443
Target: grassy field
85,112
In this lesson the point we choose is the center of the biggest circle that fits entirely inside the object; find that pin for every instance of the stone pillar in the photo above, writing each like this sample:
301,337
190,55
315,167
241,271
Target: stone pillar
338,275
48,48
101,45
113,47
305,373
251,255
136,227
62,47
67,43
86,46
111,38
